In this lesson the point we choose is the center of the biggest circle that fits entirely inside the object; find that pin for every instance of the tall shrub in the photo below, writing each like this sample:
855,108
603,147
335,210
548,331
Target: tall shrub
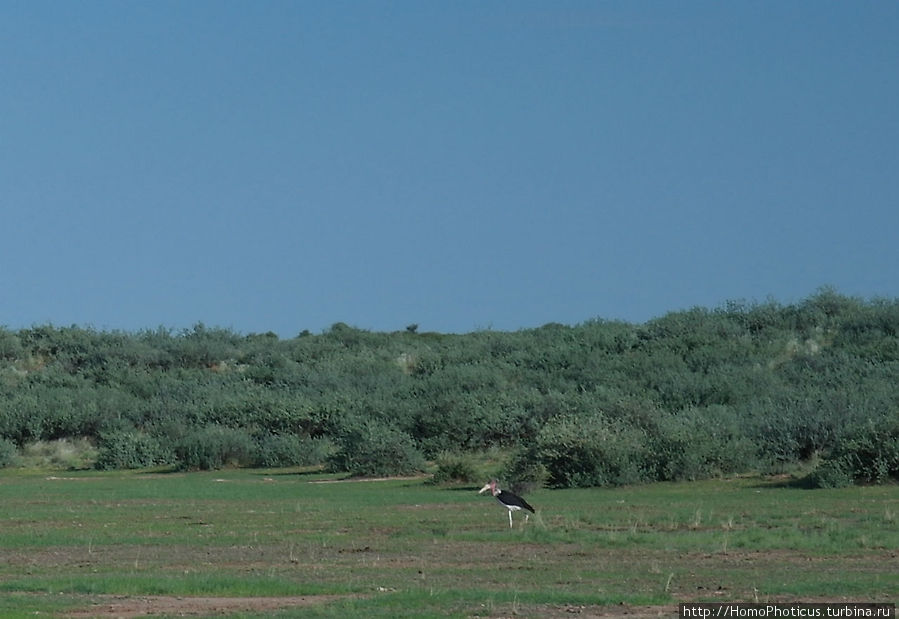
130,450
7,453
868,454
370,448
276,450
583,451
214,447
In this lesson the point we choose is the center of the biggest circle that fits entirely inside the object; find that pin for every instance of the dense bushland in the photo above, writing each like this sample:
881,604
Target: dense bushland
696,393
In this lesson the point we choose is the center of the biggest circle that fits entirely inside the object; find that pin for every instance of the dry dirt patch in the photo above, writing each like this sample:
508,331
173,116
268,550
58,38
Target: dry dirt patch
126,607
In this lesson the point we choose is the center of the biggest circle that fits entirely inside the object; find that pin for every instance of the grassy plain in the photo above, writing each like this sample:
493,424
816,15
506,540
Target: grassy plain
288,543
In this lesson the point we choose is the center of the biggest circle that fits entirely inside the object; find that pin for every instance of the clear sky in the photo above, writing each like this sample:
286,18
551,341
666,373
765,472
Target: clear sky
280,166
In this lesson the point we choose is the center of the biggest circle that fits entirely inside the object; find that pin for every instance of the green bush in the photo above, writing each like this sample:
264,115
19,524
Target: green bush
130,450
7,453
696,393
373,449
455,467
831,474
525,471
215,447
697,444
10,346
279,450
868,454
592,451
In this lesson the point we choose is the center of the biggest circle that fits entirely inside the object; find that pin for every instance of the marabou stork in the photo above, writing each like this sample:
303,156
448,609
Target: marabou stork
510,501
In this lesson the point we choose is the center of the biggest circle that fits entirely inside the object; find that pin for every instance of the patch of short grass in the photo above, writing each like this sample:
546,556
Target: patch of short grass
22,605
424,602
408,547
136,583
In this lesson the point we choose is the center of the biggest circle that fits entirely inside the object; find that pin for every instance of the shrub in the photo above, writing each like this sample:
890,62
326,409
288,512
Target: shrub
580,451
868,454
7,452
525,471
276,450
455,467
130,450
214,447
830,474
698,443
372,449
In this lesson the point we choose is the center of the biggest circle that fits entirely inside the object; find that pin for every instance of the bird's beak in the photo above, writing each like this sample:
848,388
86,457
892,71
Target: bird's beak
484,489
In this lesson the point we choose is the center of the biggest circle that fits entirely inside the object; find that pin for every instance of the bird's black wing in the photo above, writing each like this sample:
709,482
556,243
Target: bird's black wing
527,506
513,499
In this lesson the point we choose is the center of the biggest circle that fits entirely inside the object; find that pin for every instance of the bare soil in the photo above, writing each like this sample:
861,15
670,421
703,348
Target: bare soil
125,607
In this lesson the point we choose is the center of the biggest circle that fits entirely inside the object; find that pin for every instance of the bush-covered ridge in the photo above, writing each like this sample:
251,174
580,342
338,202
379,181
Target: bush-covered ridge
692,394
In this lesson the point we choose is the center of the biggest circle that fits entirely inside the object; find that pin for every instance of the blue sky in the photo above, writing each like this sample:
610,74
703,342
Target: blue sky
460,165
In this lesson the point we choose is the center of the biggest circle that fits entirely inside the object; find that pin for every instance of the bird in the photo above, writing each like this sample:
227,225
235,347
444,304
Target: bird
510,501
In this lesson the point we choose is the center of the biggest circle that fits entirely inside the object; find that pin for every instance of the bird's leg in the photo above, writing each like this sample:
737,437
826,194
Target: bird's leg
526,516
510,518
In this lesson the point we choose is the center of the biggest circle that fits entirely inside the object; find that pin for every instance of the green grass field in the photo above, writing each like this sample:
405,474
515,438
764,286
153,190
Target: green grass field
286,543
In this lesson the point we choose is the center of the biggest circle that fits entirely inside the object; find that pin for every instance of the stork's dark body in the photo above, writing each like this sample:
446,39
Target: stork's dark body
513,501
510,501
